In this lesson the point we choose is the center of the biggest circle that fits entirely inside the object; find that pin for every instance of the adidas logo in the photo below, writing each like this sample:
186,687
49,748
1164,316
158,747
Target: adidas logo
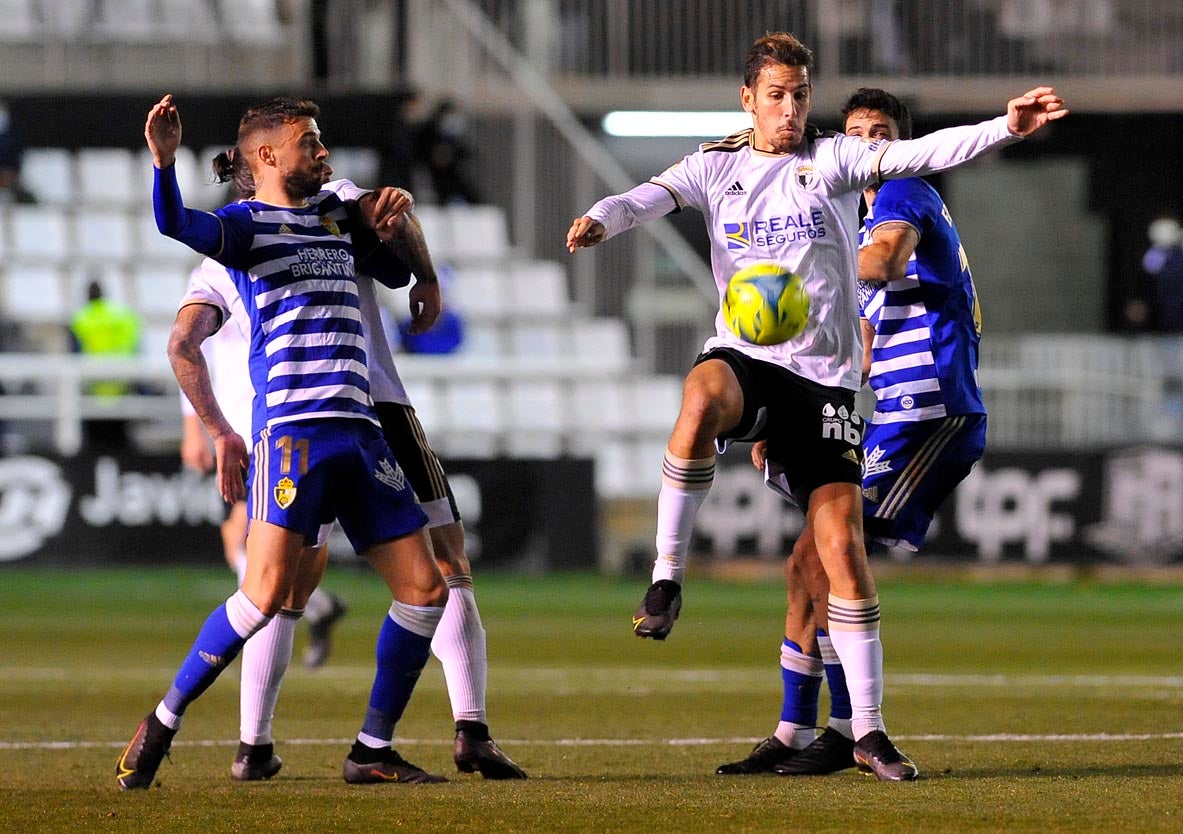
211,659
285,229
735,190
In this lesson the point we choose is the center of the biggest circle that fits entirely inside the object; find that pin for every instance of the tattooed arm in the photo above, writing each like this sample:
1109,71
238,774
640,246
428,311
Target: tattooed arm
195,323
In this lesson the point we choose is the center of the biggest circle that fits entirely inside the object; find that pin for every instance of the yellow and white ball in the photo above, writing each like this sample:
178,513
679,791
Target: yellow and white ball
766,304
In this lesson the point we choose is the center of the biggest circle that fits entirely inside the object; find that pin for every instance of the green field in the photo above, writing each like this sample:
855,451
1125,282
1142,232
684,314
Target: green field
1028,706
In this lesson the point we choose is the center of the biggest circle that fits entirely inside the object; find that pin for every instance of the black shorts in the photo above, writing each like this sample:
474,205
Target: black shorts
813,431
407,440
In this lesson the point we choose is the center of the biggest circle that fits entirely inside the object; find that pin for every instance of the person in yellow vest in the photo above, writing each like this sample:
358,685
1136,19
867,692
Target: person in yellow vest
104,328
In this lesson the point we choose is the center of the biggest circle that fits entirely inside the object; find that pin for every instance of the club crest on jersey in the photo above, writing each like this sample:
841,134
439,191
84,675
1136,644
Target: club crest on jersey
331,224
806,176
739,235
285,493
390,474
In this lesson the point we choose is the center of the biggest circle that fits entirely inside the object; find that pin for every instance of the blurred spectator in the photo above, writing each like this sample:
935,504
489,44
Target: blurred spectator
11,151
103,328
1162,266
439,144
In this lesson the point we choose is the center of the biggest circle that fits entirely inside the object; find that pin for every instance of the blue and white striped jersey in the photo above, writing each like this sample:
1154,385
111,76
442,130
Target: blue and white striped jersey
924,359
295,270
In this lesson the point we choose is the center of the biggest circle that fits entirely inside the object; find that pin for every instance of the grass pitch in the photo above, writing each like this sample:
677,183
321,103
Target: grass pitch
1028,707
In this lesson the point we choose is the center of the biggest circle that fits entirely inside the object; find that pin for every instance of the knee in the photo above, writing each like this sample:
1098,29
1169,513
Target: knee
704,411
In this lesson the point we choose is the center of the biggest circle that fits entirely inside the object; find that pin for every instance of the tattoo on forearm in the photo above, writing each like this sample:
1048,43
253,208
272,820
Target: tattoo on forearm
410,245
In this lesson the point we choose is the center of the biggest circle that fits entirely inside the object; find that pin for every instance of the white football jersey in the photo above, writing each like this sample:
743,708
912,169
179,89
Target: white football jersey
225,351
800,210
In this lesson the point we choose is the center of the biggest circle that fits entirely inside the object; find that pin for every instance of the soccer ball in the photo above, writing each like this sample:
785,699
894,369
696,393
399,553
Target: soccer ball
766,304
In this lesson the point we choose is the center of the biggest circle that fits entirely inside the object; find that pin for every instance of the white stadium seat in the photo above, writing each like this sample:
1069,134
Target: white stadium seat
537,419
601,341
357,164
656,401
538,288
477,231
436,231
111,277
49,174
35,294
39,233
17,20
102,234
151,244
109,176
473,418
480,292
157,290
536,339
251,21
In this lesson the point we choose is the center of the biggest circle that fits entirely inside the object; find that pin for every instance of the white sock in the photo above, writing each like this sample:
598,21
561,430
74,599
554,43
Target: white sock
854,631
684,486
459,643
167,717
265,659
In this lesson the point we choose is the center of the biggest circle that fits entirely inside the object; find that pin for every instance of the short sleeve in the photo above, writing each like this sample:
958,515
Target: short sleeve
910,201
210,283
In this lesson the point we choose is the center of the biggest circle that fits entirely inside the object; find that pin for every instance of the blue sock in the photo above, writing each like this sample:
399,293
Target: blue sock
801,688
402,654
835,678
216,646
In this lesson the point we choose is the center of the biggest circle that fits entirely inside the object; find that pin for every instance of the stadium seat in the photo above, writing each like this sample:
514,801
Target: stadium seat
34,294
436,231
656,401
538,288
535,339
39,233
600,406
537,419
187,21
67,20
478,232
49,174
602,341
158,290
473,418
18,21
102,234
480,293
108,176
425,399
154,342
482,339
251,21
126,21
357,164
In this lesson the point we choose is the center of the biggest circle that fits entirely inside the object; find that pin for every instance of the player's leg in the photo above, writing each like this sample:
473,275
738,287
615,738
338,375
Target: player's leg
265,659
378,512
801,676
835,514
323,611
233,531
712,405
272,556
833,750
459,642
404,643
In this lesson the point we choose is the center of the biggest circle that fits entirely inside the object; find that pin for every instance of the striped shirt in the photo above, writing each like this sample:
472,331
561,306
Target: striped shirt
924,358
295,270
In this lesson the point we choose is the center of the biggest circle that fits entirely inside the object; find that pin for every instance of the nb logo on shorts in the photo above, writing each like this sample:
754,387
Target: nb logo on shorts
391,475
285,493
841,424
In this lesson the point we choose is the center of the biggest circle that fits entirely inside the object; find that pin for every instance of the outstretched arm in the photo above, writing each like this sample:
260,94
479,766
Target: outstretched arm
619,213
195,323
196,229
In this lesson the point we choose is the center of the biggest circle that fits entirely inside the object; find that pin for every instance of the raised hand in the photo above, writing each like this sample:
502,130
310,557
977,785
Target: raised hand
584,232
384,210
163,132
1032,110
